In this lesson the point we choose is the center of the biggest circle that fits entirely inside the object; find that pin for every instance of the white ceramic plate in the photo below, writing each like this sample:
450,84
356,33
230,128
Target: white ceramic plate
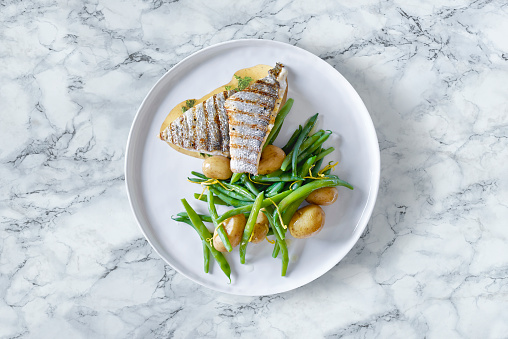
156,174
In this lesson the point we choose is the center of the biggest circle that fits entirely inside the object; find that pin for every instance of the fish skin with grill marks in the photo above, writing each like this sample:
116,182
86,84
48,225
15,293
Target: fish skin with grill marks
203,128
251,115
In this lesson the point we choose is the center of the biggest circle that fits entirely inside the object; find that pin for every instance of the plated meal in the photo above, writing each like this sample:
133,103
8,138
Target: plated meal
271,189
156,175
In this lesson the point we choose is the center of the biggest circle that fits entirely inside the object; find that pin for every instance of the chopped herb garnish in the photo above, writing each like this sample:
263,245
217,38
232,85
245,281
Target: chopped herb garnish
188,104
243,83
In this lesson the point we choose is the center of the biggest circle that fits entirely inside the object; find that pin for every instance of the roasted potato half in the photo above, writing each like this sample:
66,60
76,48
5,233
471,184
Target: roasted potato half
323,196
217,167
271,159
234,227
307,221
260,229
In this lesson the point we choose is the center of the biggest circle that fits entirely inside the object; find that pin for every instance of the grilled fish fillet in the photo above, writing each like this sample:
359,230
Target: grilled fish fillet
252,114
203,128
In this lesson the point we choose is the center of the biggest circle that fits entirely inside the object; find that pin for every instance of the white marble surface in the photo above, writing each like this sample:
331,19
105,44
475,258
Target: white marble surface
433,261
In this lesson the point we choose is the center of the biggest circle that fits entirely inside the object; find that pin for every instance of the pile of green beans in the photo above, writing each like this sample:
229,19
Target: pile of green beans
278,195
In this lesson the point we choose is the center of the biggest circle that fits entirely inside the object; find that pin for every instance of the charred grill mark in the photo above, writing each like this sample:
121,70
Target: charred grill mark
259,103
217,120
273,85
206,132
185,131
172,134
192,126
252,116
261,92
238,135
224,124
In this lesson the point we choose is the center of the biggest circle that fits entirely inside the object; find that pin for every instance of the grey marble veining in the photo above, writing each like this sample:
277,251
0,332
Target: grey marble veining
433,261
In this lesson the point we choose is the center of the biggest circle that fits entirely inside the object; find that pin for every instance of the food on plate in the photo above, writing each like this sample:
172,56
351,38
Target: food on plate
217,167
202,128
324,196
265,184
307,221
252,115
272,201
271,159
195,221
261,228
234,227
239,81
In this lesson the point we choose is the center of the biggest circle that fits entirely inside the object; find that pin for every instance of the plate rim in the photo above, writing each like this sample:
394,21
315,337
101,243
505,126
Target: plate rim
372,194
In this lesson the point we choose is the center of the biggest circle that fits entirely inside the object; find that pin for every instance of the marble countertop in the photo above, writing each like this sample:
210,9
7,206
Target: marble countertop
433,261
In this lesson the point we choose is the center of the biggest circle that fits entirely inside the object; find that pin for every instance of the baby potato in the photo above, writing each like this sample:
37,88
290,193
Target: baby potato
271,159
260,229
307,221
323,196
234,228
217,167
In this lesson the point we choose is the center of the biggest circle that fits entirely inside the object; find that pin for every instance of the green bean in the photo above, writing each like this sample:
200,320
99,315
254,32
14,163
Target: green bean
206,256
204,233
317,166
271,187
324,153
307,165
288,213
196,180
231,193
250,186
313,147
227,199
247,208
199,175
235,177
206,251
282,245
274,189
278,122
275,135
305,190
308,127
269,211
276,173
219,227
239,189
282,177
249,226
286,163
304,171
203,217
202,197
289,145
180,219
276,250
270,232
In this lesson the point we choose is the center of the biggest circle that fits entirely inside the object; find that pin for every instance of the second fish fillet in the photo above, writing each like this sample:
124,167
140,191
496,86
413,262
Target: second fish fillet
251,115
